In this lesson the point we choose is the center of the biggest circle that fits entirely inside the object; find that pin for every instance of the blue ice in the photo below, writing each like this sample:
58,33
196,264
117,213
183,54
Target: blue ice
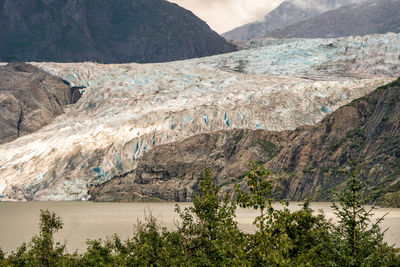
205,119
100,172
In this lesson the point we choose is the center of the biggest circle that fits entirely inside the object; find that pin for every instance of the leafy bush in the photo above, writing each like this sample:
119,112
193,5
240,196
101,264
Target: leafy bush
209,235
283,238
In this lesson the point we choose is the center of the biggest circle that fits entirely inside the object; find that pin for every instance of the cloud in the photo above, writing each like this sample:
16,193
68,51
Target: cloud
224,15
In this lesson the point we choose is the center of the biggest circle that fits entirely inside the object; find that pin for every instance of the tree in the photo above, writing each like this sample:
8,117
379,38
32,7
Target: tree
283,237
210,233
360,241
2,258
41,250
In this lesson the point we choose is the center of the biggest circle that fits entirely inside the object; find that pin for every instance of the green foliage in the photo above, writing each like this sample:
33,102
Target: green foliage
283,238
209,236
360,241
2,258
210,233
269,147
41,250
259,189
358,132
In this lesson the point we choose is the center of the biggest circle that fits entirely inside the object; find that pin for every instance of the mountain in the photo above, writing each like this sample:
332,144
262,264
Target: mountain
287,13
127,110
377,16
30,99
103,31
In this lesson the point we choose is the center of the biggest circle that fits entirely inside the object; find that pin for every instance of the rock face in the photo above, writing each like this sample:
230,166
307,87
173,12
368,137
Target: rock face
103,31
288,13
30,99
376,16
128,110
368,129
170,172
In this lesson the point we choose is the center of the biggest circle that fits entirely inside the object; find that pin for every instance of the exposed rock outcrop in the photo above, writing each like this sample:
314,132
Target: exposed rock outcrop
103,31
30,99
170,172
368,129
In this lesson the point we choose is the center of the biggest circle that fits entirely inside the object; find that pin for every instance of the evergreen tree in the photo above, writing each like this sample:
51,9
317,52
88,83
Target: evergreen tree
360,240
210,233
283,237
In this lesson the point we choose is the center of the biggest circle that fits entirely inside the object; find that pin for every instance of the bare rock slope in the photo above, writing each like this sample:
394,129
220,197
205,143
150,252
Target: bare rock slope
30,99
367,129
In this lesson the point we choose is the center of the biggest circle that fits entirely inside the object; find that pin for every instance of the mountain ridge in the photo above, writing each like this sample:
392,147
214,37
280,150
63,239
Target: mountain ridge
287,13
103,31
370,17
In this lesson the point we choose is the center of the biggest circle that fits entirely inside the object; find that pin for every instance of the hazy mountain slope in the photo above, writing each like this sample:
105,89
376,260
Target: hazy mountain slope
103,31
129,109
377,16
287,13
30,99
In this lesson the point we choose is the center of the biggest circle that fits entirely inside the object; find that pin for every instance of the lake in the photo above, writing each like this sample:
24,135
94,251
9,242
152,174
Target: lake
82,220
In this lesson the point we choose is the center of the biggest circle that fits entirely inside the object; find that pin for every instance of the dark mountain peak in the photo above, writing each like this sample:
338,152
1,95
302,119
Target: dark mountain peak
105,31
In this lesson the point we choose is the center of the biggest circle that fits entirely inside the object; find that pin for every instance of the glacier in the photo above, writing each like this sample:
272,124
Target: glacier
127,109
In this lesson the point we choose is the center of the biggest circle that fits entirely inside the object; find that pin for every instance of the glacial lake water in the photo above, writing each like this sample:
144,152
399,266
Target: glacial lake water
83,220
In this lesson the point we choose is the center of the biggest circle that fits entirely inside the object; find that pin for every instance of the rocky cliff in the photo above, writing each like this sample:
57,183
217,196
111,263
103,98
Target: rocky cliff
367,129
130,109
288,13
30,99
103,31
170,172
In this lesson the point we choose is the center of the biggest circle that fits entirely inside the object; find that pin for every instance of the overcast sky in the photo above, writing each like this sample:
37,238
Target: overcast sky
224,15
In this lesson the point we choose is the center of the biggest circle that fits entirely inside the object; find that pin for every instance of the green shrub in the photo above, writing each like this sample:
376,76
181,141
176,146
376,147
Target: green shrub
41,250
209,235
283,238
